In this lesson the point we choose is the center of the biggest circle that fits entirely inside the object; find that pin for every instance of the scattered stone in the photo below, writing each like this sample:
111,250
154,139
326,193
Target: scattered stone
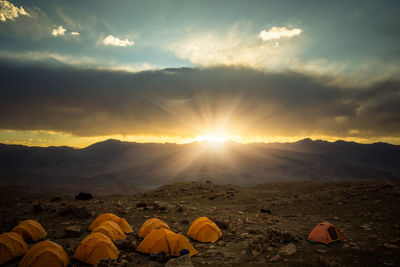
160,257
159,206
73,211
82,213
83,196
390,246
208,182
288,250
55,199
213,197
37,208
327,262
73,231
182,261
275,258
125,245
265,210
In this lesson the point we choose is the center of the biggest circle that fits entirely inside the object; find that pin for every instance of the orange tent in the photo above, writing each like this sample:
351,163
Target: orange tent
204,230
151,224
12,245
111,230
111,217
30,230
164,240
45,254
95,247
325,233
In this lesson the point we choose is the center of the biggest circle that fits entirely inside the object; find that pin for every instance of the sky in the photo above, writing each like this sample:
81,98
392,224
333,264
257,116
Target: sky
77,72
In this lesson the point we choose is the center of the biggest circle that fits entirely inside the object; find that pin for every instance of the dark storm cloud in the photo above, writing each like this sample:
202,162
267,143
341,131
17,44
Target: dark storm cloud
182,101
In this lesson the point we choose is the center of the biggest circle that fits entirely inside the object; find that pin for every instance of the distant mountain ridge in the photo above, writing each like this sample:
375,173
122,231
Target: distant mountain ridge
114,166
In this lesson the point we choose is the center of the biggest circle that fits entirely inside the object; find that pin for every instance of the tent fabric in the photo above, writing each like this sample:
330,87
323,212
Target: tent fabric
112,230
45,254
111,217
204,230
30,230
325,233
95,247
164,240
12,245
151,224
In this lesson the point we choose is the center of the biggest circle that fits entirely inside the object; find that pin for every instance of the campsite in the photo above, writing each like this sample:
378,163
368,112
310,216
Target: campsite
264,225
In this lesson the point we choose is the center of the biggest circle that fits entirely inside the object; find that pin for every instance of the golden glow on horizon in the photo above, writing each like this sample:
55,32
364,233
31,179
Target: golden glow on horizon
51,138
215,138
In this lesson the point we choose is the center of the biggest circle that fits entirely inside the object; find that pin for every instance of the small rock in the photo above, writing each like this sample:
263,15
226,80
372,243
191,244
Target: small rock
83,196
390,246
182,261
288,250
124,245
37,208
264,210
81,213
73,231
55,199
141,204
275,258
327,262
322,250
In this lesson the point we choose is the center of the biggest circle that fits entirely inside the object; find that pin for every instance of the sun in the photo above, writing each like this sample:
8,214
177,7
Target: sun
213,138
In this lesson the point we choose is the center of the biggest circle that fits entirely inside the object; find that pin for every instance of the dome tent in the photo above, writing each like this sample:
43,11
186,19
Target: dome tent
164,240
111,230
325,233
95,247
204,230
150,225
30,230
12,245
111,217
45,254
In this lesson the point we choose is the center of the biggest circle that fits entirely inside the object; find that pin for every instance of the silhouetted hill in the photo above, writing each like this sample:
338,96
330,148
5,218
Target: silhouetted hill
115,166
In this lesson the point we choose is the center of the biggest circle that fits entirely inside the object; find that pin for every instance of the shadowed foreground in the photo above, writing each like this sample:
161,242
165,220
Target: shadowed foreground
258,223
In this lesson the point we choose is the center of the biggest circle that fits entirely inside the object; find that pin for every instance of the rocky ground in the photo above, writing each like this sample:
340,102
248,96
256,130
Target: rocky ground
262,225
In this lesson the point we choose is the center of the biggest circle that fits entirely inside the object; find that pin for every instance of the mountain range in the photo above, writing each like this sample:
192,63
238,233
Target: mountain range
114,166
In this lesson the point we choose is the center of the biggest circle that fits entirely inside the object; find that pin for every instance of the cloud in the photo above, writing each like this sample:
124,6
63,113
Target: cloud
275,33
60,30
235,48
75,33
115,41
11,12
189,102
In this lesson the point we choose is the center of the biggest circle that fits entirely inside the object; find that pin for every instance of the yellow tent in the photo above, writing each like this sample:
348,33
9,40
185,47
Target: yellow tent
111,230
30,230
12,245
45,254
95,247
204,230
111,217
164,240
151,224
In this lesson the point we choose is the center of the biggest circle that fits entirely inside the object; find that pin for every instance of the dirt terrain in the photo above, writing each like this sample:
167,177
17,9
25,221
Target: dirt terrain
263,225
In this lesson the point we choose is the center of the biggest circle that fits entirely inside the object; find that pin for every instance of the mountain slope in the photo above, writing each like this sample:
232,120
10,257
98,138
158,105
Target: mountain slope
115,166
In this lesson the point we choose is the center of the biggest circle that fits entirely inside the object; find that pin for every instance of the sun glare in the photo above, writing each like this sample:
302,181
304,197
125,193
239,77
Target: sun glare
214,138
